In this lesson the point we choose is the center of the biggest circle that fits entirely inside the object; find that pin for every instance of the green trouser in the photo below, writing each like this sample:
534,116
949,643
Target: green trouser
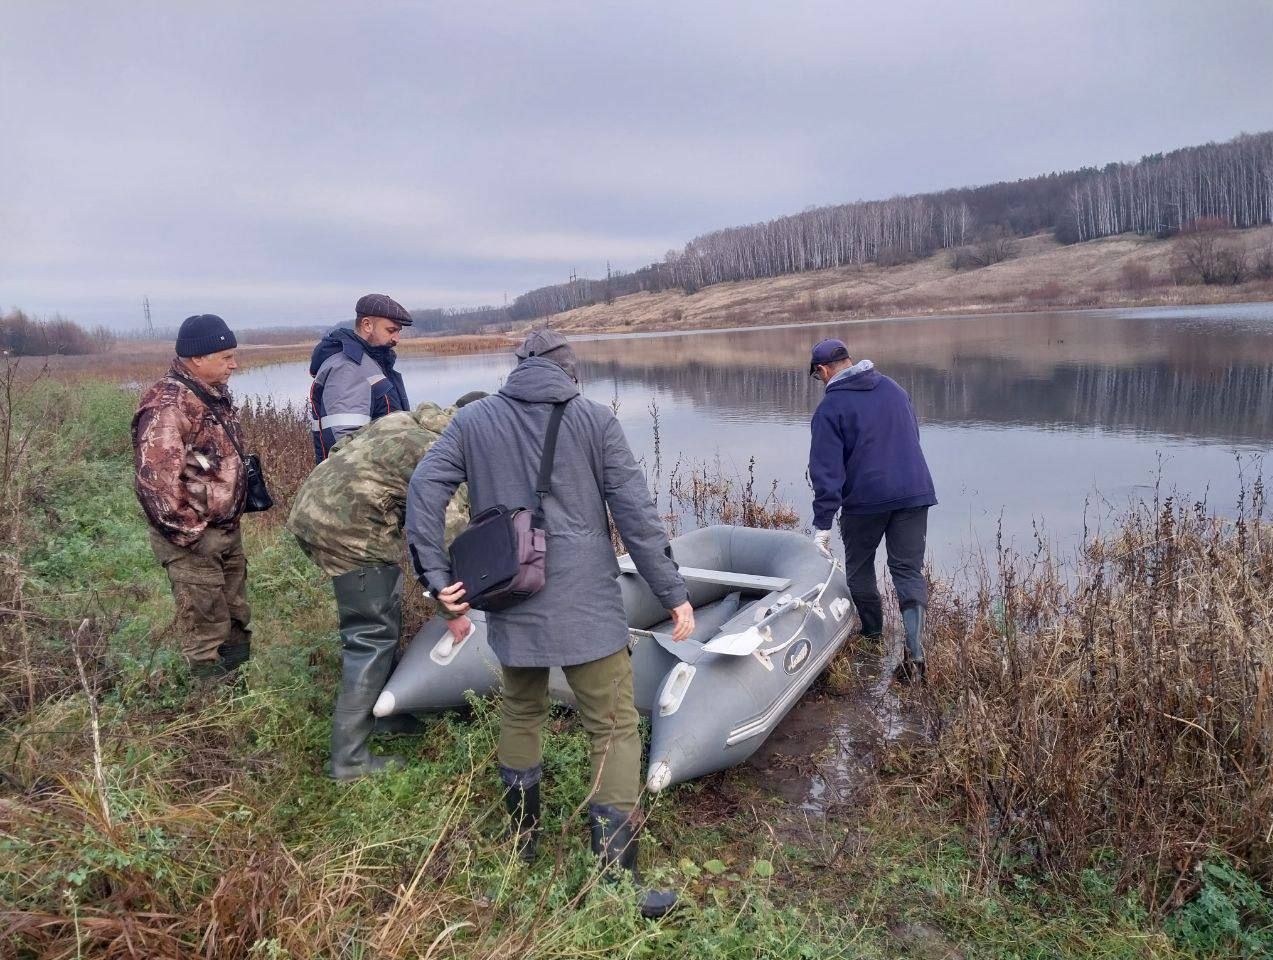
209,585
603,692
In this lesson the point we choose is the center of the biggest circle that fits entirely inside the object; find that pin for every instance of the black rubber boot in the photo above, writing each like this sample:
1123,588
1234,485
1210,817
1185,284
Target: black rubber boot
521,800
871,613
614,841
234,655
370,605
400,725
210,671
911,669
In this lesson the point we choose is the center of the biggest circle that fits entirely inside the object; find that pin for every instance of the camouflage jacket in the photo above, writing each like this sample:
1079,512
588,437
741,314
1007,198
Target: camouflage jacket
349,511
188,474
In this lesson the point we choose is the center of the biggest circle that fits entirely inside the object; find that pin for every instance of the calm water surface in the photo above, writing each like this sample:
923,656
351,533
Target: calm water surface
1042,421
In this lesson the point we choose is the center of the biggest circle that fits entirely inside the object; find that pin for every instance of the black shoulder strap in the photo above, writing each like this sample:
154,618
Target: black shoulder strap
544,483
210,402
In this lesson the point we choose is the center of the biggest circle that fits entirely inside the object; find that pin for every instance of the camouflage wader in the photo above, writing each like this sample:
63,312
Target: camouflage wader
209,585
347,518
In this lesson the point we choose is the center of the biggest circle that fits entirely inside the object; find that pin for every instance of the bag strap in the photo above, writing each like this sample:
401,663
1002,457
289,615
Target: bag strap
210,402
544,482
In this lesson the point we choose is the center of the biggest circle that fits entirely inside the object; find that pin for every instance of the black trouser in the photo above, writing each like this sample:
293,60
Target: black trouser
905,533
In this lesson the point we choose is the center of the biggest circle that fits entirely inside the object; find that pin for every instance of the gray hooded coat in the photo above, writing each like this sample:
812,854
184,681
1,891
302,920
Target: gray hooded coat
495,446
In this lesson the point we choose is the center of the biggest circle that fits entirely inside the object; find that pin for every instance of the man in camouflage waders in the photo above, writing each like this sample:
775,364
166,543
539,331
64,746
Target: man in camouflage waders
190,482
348,517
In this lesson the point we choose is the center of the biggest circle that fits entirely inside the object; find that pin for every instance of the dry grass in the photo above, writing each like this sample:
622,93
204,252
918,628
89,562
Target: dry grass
188,877
1040,274
141,362
280,435
1122,711
704,494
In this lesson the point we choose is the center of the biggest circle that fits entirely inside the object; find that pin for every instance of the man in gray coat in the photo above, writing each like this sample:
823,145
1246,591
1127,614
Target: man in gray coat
576,621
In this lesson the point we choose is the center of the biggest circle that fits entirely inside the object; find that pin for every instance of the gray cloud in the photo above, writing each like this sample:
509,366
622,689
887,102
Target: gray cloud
273,161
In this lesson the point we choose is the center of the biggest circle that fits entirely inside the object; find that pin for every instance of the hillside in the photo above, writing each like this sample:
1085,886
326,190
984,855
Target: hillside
1225,185
1126,270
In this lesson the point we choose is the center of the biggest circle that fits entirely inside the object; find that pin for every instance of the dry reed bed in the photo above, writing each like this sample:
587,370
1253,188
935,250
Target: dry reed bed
143,361
1120,712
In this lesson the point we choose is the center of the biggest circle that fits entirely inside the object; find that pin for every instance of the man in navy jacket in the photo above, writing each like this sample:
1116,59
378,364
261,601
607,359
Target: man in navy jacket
354,379
865,462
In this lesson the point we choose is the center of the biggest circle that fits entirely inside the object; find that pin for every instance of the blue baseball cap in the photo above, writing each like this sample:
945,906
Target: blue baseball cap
827,352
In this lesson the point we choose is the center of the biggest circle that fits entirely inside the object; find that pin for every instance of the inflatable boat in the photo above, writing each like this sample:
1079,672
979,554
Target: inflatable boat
770,613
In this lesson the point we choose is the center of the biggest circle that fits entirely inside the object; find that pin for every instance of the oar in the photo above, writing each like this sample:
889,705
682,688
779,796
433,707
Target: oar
686,651
737,644
749,641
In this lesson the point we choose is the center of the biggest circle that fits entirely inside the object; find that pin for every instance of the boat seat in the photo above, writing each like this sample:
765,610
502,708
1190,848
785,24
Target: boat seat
725,578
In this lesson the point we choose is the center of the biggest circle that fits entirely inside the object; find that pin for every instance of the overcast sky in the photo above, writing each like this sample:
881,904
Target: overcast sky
272,161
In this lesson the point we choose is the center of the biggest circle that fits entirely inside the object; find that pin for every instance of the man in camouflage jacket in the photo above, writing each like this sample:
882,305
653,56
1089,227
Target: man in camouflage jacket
348,517
191,484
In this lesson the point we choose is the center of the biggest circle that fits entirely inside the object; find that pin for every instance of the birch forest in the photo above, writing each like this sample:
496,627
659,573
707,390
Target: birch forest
1161,194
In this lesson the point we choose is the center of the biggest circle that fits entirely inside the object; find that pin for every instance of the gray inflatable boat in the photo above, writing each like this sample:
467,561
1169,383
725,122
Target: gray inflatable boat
770,610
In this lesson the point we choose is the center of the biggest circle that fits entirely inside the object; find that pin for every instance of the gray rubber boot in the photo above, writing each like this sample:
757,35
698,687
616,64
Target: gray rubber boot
370,605
614,841
400,725
911,669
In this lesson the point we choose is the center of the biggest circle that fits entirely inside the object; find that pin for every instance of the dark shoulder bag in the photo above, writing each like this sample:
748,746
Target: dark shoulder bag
500,557
258,495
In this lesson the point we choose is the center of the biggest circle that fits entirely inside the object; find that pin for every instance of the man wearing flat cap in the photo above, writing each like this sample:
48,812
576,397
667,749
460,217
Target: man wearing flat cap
577,620
354,379
865,463
191,484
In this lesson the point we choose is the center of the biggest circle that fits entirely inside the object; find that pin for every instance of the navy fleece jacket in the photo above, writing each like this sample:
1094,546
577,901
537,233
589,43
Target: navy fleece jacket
865,455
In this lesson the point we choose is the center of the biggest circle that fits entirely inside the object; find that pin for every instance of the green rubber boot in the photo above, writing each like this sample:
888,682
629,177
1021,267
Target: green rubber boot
370,605
911,670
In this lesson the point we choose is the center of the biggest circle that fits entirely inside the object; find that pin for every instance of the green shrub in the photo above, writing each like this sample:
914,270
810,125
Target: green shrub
1230,916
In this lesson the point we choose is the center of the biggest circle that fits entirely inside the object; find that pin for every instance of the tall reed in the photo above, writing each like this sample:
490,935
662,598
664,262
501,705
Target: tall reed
1121,711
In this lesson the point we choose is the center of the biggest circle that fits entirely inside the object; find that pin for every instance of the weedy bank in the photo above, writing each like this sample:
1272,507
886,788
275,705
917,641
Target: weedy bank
144,816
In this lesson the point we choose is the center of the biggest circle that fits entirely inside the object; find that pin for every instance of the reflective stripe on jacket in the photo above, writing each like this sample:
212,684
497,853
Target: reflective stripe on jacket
352,386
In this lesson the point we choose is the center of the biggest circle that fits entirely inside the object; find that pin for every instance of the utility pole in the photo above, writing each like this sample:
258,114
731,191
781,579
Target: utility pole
150,324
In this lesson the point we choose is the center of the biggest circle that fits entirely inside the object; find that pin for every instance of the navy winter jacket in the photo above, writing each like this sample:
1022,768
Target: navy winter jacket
865,455
354,383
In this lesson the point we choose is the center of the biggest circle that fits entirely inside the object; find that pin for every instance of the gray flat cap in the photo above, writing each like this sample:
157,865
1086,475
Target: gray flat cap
379,305
550,345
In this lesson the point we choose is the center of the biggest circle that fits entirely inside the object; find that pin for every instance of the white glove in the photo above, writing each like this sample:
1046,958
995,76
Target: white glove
822,540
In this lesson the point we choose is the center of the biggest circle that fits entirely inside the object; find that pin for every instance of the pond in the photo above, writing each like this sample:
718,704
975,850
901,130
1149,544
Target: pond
1036,425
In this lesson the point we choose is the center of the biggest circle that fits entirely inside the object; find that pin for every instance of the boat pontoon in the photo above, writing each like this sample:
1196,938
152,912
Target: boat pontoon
770,613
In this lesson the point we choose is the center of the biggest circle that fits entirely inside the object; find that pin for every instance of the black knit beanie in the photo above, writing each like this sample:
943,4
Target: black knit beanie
204,334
